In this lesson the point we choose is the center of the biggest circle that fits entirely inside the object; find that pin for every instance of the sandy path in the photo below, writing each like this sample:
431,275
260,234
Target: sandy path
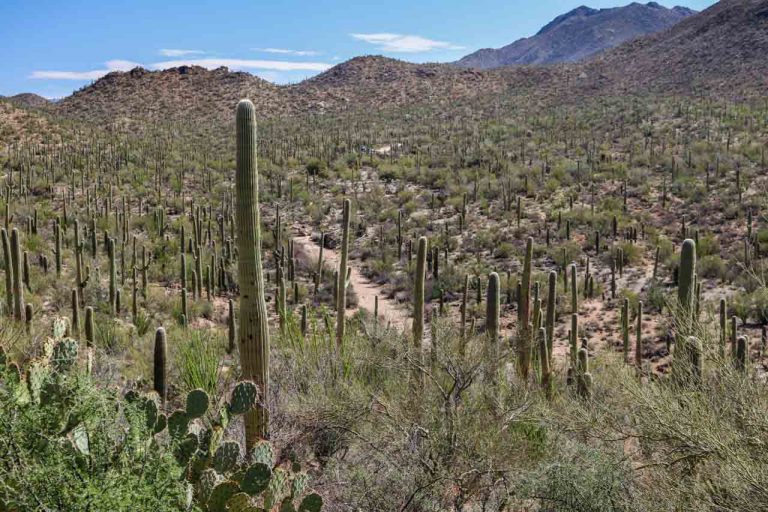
389,312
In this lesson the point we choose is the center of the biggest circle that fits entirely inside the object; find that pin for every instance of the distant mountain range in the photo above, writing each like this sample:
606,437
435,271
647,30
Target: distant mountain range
579,34
719,52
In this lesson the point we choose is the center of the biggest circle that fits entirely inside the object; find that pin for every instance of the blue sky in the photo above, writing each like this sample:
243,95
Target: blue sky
52,47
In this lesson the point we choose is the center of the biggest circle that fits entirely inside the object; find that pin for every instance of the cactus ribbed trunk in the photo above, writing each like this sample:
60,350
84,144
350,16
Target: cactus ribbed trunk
253,336
341,287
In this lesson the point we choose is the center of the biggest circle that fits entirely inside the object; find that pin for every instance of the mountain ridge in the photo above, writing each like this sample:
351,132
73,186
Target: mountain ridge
579,34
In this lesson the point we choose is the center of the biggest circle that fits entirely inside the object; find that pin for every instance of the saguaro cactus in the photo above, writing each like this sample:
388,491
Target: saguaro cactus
544,356
253,337
524,318
639,338
418,292
686,276
625,329
161,365
18,289
90,331
493,305
8,260
341,289
551,309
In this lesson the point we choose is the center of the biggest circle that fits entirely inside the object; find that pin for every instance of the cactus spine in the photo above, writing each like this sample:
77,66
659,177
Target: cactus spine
341,290
253,336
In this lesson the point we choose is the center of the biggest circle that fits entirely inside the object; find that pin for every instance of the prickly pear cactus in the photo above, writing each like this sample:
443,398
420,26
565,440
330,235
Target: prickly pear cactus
256,479
221,494
64,354
226,457
60,327
244,397
178,423
197,403
263,453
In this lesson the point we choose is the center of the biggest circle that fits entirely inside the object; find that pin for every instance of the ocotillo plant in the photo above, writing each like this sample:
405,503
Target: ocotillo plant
253,337
418,292
524,317
341,299
160,365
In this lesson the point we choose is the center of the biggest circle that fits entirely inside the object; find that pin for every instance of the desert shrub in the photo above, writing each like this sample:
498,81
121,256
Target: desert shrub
711,266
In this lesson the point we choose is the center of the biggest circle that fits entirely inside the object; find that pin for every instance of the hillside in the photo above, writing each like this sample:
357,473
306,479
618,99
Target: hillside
358,84
28,99
722,49
579,34
177,93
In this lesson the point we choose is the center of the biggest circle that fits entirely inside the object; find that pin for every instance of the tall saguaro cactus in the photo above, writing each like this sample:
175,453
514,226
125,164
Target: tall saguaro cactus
493,306
18,289
8,261
253,335
341,288
524,317
160,365
418,292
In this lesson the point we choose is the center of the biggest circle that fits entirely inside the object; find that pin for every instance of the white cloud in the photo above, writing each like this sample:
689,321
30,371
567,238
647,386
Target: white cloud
275,65
111,65
173,52
404,43
283,51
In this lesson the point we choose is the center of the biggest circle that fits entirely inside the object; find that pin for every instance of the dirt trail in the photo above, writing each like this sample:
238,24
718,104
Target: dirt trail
366,291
